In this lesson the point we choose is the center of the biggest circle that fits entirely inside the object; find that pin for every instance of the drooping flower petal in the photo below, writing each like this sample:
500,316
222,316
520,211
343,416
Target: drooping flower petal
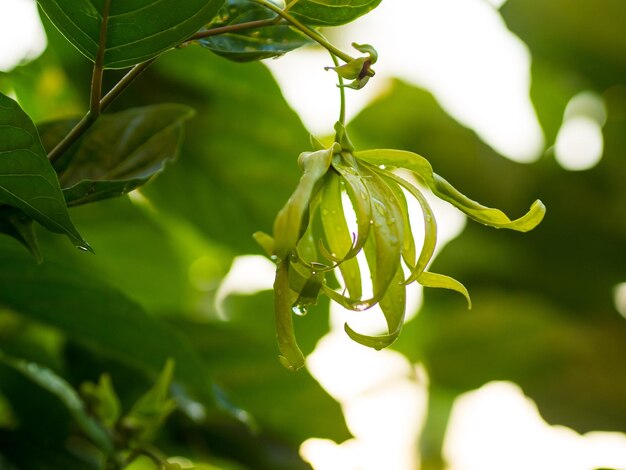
444,190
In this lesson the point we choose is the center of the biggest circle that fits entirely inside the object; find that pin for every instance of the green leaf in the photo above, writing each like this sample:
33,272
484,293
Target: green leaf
16,224
242,122
110,161
58,386
97,316
152,408
103,400
27,180
137,30
331,12
252,44
444,190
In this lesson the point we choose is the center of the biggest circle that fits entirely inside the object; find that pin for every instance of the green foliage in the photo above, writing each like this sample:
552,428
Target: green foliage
251,44
96,171
330,12
27,180
136,31
224,152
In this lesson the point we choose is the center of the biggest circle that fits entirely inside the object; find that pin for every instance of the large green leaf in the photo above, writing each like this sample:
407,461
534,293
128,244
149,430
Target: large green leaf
109,160
238,163
137,30
253,44
96,315
331,12
27,179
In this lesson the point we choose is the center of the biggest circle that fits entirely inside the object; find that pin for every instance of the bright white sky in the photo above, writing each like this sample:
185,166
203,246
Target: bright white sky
462,52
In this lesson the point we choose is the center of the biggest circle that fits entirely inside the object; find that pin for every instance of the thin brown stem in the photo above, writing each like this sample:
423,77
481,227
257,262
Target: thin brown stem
233,28
98,67
85,123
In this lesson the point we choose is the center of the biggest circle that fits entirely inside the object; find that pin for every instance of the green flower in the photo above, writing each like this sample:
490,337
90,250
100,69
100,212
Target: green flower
358,70
311,240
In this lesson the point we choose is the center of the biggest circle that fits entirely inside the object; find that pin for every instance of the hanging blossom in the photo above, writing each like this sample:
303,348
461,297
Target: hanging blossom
313,247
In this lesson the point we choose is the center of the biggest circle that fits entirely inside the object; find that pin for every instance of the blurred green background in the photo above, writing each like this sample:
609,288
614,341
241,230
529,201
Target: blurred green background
544,312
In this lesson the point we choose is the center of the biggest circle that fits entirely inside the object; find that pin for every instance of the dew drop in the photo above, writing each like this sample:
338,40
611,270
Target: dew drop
382,167
360,306
429,218
299,310
82,248
274,258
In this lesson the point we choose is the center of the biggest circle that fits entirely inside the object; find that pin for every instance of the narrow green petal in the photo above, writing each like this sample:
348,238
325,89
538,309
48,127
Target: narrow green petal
291,220
361,203
444,190
337,234
428,279
430,229
291,356
265,241
393,305
388,231
408,243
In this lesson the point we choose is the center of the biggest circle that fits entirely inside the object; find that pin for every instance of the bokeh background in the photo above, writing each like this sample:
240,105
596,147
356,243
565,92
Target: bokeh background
510,101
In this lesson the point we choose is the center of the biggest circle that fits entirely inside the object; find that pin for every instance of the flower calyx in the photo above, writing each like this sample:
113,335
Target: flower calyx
358,70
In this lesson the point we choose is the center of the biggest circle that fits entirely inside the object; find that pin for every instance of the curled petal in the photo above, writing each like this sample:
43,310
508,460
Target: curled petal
428,279
444,190
337,234
291,221
430,229
291,356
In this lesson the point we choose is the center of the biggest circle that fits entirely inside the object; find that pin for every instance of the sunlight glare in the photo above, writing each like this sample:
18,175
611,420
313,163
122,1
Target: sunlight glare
497,427
22,36
460,50
619,297
579,143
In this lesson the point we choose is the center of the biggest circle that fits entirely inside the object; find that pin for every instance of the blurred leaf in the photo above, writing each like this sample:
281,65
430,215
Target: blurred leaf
50,381
27,180
136,31
21,450
16,224
42,88
252,44
120,151
238,161
102,400
330,12
96,315
242,356
543,312
587,39
155,271
152,408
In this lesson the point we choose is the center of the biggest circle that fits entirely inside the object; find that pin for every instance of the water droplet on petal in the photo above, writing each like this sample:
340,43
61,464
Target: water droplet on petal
299,310
274,258
360,306
382,167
